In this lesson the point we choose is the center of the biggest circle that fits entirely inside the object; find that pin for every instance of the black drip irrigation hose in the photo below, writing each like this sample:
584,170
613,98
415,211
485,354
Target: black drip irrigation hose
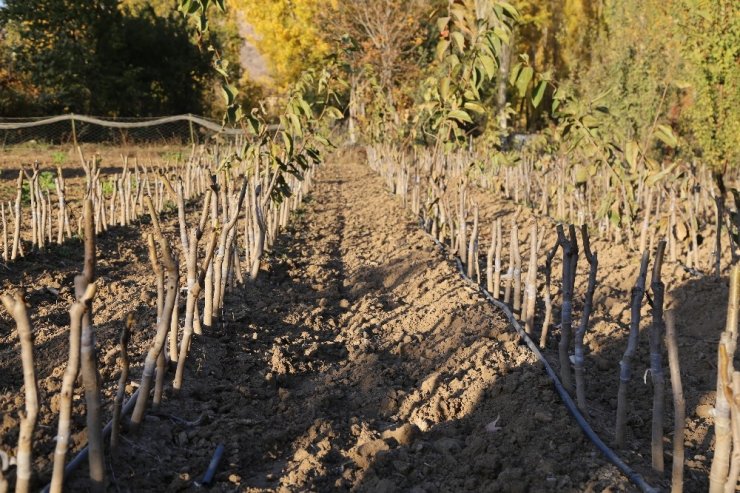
82,454
610,455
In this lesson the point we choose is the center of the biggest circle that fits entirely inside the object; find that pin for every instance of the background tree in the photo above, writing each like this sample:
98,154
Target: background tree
102,57
711,50
286,34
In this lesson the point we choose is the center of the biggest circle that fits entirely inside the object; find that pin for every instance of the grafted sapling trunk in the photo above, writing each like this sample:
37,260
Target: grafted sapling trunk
530,300
16,307
679,404
625,365
588,304
118,402
570,257
68,382
192,299
162,327
656,360
722,412
548,296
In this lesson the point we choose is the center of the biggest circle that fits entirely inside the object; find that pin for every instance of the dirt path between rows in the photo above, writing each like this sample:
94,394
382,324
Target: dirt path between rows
359,360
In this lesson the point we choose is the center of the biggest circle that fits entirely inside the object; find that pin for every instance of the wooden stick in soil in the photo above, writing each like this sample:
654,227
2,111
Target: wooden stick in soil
489,260
548,296
68,382
159,379
209,285
724,368
472,246
17,218
496,293
222,252
679,403
588,304
672,227
6,254
517,281
733,396
174,327
118,402
531,284
570,255
193,293
656,363
159,339
16,307
259,222
625,365
720,202
197,329
462,229
510,271
646,220
722,411
88,361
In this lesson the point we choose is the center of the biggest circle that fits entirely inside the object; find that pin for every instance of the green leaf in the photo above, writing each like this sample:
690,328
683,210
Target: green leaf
655,178
522,82
489,65
631,152
666,134
459,40
288,142
475,107
510,9
442,23
442,49
537,99
296,124
306,108
334,113
460,116
229,92
444,88
514,75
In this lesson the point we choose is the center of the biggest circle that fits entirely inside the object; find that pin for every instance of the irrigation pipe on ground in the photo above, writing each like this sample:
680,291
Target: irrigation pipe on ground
82,454
610,455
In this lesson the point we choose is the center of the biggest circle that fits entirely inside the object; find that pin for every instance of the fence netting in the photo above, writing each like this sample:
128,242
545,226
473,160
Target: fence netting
80,129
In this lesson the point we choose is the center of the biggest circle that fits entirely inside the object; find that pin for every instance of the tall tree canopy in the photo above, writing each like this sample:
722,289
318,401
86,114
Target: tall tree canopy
101,57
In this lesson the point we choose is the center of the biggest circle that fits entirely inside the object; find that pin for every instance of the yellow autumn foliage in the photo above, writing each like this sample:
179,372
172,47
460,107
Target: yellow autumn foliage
286,34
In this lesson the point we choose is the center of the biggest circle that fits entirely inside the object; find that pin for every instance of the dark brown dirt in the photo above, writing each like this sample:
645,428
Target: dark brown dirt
358,361
700,303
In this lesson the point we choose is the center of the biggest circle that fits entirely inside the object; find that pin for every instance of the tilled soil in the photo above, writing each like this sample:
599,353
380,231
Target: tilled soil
699,300
359,360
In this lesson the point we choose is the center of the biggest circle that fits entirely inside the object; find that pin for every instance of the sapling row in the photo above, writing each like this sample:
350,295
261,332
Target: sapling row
122,379
725,450
436,219
680,203
15,304
117,200
229,220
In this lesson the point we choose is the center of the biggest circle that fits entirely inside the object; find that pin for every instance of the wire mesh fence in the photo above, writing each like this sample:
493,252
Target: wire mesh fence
79,129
